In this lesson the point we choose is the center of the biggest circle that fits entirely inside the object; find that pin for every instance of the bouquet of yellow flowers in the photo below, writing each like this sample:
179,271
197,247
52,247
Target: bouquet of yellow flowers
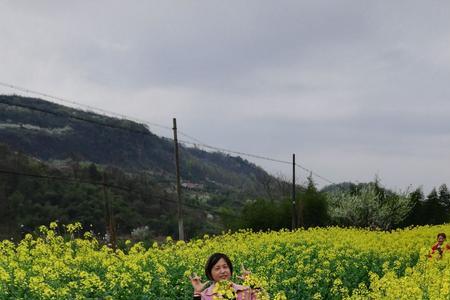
258,285
224,290
254,282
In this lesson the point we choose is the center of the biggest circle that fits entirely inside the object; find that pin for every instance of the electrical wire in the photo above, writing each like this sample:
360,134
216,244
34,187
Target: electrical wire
74,117
87,107
314,173
104,184
71,180
194,141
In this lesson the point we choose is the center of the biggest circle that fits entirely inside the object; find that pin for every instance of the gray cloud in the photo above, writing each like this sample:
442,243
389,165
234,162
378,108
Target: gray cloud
354,88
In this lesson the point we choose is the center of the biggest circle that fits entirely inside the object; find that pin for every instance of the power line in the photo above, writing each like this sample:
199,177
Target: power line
88,107
97,183
315,174
70,116
189,137
142,132
195,143
72,180
258,157
26,90
236,152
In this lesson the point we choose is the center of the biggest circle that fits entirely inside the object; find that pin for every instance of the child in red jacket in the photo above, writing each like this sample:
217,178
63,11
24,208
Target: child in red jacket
439,247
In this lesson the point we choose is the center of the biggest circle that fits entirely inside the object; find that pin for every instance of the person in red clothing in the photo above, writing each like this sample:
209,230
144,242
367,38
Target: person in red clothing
439,246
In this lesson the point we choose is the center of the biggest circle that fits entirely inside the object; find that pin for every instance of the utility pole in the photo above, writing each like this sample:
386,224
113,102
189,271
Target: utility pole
177,164
110,230
294,210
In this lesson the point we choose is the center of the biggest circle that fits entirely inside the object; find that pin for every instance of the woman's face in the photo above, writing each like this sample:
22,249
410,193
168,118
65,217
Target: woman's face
221,271
441,240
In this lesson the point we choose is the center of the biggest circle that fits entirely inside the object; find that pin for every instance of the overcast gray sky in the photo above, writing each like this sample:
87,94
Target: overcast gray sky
354,88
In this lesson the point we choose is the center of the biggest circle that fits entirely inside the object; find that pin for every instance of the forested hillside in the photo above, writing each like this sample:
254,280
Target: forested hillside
59,163
50,131
40,138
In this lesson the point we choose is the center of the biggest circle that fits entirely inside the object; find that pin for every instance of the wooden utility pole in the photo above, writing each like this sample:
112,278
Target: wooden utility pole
177,164
110,229
294,207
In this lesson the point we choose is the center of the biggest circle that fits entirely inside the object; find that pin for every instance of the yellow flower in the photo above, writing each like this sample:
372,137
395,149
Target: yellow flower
224,290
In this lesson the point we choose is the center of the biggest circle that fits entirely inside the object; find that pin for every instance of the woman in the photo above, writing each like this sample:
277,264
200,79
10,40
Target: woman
439,247
219,269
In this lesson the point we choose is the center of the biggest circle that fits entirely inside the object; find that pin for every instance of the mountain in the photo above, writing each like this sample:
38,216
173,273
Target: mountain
55,139
49,131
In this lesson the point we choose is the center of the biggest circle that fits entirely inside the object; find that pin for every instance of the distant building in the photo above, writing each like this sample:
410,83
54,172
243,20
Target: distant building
192,186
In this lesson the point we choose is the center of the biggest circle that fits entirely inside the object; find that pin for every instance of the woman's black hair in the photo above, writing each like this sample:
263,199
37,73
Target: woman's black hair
442,234
212,260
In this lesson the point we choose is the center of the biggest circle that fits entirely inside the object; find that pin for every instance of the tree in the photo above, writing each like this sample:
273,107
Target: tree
314,206
416,215
268,184
444,200
93,172
434,212
371,206
265,214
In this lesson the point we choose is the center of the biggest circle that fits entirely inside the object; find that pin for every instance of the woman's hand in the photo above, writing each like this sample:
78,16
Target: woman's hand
197,283
244,272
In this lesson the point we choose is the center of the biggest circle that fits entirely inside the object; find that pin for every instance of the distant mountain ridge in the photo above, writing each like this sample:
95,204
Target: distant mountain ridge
50,131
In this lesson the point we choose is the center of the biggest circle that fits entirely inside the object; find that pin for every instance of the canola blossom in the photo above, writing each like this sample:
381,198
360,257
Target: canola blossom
224,290
318,263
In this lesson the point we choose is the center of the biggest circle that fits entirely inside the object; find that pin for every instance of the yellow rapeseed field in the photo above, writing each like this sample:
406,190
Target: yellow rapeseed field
319,263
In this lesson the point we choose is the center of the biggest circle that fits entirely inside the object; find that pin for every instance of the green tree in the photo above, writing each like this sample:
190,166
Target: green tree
416,215
314,207
264,214
444,200
434,211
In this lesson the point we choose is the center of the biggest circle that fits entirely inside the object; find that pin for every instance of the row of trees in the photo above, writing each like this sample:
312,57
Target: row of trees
311,209
366,205
31,202
432,209
34,193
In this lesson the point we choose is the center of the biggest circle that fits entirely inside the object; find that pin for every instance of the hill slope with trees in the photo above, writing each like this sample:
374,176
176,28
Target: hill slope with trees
47,139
